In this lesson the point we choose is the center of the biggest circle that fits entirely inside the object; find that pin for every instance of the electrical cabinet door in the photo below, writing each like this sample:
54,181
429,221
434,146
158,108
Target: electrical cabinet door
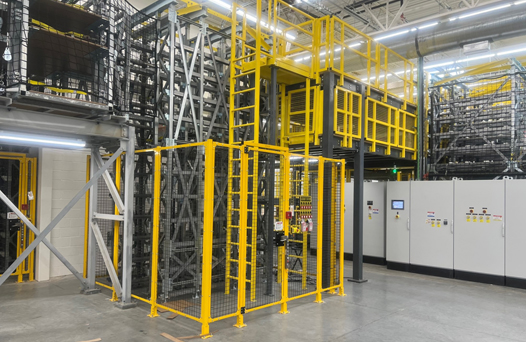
397,221
515,228
479,226
348,217
374,219
432,224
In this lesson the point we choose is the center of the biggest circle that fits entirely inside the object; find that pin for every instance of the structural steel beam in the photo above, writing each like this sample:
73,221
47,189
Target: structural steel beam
357,255
37,122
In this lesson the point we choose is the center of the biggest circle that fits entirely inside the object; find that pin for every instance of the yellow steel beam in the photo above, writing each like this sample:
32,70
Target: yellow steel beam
189,9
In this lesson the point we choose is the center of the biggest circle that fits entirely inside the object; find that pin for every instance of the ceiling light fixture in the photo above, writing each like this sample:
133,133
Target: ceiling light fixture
511,51
392,35
41,140
484,11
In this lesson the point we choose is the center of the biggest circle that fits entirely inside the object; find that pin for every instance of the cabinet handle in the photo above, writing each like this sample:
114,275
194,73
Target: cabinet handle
503,229
452,229
408,224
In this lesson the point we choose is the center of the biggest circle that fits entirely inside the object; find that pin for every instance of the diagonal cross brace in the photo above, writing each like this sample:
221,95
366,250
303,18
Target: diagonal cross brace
111,186
106,257
35,231
58,218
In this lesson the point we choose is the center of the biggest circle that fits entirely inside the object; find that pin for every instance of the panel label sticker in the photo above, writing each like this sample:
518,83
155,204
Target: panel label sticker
376,211
497,217
430,214
11,215
278,226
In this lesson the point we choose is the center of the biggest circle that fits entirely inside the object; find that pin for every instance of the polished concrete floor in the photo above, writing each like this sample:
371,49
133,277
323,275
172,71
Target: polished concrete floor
392,306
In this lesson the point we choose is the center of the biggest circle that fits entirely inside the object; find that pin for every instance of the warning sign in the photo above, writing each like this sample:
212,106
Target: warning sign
431,214
11,215
376,211
497,217
278,226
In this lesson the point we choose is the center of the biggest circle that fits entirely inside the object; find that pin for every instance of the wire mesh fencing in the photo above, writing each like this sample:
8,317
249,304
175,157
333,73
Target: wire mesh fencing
222,230
80,52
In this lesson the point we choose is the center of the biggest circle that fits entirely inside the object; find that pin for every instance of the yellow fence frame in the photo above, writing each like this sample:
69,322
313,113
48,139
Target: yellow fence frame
27,182
205,316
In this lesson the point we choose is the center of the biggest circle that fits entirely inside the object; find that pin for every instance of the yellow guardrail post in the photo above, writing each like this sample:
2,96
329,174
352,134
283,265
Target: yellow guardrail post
243,217
116,225
208,231
86,219
319,231
341,290
286,230
155,230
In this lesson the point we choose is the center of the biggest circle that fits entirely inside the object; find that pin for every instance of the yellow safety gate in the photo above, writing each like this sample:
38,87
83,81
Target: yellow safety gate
227,270
18,181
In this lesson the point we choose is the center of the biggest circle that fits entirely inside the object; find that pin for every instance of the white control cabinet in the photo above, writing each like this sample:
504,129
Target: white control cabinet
515,228
432,224
479,227
373,219
397,221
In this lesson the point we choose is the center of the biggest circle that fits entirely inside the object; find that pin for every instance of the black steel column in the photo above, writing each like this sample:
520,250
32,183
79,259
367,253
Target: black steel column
357,255
421,132
271,124
327,144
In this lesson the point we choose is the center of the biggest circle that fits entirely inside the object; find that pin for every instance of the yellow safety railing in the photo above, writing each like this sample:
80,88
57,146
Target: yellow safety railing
354,55
245,292
389,129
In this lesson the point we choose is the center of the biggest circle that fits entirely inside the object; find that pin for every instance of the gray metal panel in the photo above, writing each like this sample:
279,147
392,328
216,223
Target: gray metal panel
348,217
374,228
432,242
397,229
515,228
374,219
479,246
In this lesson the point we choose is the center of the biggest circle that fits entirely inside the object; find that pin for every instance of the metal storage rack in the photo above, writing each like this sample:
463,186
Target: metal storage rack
477,127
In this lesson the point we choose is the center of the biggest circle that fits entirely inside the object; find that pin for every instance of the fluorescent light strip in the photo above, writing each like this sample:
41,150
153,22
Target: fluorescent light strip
475,58
484,11
438,65
392,35
70,143
519,2
511,51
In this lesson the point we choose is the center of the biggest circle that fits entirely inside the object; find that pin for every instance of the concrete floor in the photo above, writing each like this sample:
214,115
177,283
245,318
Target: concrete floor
392,306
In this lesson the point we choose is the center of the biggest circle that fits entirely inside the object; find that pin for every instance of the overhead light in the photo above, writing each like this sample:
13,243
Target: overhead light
355,45
453,19
511,51
437,65
222,4
414,29
519,2
392,35
428,25
475,58
41,140
484,11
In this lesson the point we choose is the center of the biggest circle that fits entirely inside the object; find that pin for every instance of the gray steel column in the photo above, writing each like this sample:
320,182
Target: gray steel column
271,175
127,241
92,243
421,132
327,143
172,17
357,255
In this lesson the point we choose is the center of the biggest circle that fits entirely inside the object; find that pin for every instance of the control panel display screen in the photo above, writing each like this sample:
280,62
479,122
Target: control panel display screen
397,205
